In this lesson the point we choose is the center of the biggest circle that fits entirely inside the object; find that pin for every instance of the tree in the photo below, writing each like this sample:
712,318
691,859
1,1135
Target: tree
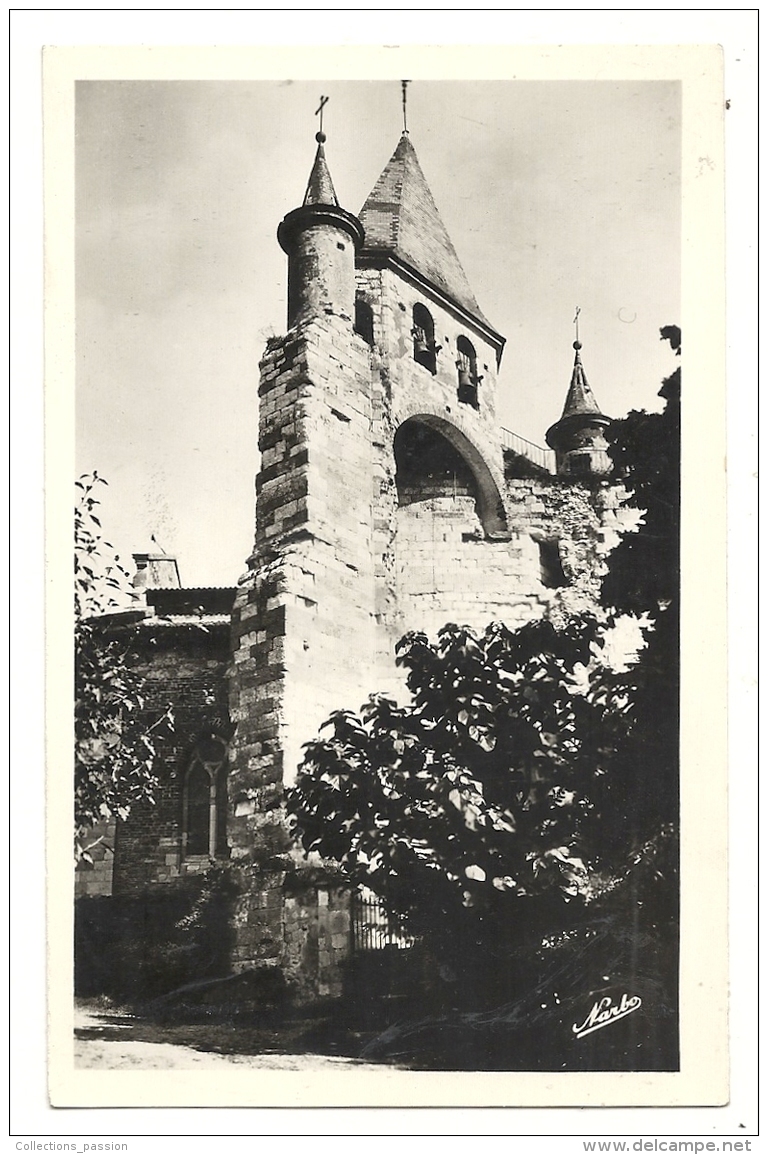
644,568
479,808
116,738
643,579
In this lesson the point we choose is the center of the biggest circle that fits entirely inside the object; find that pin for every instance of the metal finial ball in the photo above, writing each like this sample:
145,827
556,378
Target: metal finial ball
577,345
320,137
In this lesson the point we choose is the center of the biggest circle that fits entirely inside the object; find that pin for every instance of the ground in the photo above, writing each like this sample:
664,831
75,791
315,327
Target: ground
113,1039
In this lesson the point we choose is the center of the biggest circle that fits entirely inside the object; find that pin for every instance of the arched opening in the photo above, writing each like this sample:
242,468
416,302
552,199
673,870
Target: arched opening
423,332
466,364
198,809
429,467
364,320
204,821
435,460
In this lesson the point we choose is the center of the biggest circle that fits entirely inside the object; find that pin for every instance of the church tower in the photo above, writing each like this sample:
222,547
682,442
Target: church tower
388,499
435,358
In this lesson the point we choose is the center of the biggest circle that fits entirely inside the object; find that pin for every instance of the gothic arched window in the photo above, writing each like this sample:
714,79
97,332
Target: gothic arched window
423,333
205,800
364,320
466,364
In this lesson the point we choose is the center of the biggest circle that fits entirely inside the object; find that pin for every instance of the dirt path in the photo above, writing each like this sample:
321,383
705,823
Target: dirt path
118,1054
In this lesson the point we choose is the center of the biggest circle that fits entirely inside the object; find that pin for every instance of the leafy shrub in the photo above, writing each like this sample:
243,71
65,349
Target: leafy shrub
137,947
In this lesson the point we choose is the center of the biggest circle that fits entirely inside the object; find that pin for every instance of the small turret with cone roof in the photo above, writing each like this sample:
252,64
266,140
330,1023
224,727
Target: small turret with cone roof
578,438
320,239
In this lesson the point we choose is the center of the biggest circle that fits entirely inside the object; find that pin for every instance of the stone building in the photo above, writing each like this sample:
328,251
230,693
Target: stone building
388,498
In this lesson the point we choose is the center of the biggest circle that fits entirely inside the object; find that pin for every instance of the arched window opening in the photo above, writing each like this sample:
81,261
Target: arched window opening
424,348
466,364
198,810
364,321
205,800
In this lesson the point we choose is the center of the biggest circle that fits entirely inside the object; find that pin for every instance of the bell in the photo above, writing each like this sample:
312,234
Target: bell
420,346
465,381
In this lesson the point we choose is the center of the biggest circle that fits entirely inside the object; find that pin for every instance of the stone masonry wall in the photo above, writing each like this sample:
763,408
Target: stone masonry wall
95,878
443,557
320,273
317,928
410,387
583,518
448,571
187,668
404,390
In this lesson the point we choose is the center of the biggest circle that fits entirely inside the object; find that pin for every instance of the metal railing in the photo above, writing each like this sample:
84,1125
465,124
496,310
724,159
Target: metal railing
372,928
545,458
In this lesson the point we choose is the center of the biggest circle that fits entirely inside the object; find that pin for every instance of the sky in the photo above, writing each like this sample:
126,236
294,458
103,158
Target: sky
556,194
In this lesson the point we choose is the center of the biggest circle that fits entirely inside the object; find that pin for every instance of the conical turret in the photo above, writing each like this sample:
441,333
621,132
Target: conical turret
578,438
320,239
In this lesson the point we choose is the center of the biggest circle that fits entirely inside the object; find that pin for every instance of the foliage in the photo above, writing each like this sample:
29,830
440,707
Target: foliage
643,569
144,946
644,578
100,578
116,739
487,796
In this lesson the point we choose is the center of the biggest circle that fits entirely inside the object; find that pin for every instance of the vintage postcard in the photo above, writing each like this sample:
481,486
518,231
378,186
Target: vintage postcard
397,776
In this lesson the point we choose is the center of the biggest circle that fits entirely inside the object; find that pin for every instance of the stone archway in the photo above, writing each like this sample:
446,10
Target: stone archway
461,457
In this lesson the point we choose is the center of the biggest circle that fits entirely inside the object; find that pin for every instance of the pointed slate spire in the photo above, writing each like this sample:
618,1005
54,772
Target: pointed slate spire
320,190
580,397
578,438
401,221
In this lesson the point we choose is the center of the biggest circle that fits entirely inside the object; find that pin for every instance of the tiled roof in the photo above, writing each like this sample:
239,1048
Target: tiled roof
192,600
202,619
400,218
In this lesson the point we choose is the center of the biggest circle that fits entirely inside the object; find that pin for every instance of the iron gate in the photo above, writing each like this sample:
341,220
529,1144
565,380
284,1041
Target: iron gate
372,928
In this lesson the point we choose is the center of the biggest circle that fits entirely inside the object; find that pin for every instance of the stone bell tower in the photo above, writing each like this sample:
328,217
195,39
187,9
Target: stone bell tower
387,500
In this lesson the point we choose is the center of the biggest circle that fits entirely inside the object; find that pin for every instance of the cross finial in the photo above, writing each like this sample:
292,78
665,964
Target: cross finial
577,343
405,84
320,137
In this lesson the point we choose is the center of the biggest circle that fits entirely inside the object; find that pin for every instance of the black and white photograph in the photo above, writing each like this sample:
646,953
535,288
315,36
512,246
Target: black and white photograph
377,637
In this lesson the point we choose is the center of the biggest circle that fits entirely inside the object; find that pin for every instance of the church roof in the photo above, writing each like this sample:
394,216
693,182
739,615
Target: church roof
580,399
320,190
400,219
